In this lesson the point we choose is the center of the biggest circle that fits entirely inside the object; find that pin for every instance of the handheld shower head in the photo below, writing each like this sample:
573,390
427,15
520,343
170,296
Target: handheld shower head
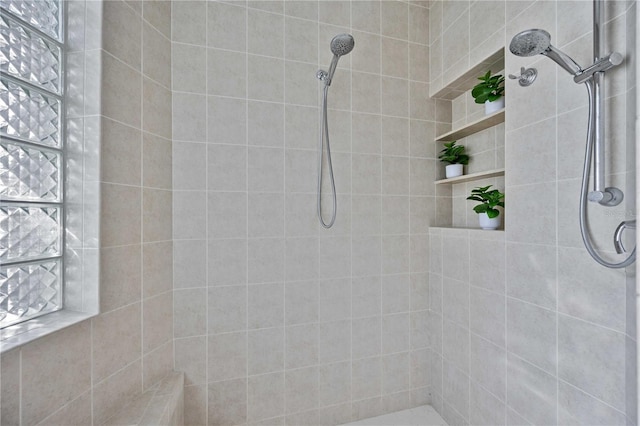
530,43
342,44
533,42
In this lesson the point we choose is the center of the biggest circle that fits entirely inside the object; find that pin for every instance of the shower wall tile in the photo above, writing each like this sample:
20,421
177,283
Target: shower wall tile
191,358
531,391
158,14
226,402
125,33
121,89
121,283
226,120
189,65
488,366
120,354
188,22
335,13
367,56
488,312
110,394
226,73
156,205
226,26
599,371
156,160
576,406
531,334
109,335
589,292
156,108
81,374
366,16
548,326
484,408
189,118
298,317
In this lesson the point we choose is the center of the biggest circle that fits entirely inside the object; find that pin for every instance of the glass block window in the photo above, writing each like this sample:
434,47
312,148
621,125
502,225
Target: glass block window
31,159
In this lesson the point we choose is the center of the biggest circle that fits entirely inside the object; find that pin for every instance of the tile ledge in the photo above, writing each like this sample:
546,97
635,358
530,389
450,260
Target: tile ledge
497,234
28,331
162,405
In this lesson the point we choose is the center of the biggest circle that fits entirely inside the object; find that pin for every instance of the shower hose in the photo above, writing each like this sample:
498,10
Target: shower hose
586,171
325,136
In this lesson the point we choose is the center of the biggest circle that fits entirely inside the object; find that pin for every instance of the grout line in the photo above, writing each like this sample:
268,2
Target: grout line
284,234
557,237
246,331
380,208
142,208
350,225
206,224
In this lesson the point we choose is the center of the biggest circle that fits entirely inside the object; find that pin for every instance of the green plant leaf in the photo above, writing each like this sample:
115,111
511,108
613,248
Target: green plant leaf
490,88
489,199
480,208
453,154
491,213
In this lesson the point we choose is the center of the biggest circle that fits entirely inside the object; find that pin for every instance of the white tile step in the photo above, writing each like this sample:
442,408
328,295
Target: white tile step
419,416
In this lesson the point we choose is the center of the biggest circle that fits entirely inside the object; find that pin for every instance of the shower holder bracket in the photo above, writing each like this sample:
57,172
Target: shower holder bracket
322,75
527,76
610,197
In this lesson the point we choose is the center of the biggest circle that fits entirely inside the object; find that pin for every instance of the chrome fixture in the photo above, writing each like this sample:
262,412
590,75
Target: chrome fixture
342,44
536,41
526,77
617,236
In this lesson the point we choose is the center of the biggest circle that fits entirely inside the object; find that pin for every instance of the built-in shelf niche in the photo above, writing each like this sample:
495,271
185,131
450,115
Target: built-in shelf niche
449,211
471,177
466,81
473,127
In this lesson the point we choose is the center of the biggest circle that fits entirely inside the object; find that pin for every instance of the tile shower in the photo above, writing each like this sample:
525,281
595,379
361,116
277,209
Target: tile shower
209,126
300,324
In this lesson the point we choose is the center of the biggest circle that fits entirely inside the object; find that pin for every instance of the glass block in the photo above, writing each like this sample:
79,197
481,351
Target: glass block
28,232
29,290
29,115
26,55
42,14
29,174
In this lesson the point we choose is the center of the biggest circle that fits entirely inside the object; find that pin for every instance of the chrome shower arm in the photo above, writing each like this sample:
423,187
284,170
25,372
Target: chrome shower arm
563,60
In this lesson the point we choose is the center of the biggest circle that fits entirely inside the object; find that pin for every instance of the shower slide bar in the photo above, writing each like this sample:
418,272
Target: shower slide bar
538,41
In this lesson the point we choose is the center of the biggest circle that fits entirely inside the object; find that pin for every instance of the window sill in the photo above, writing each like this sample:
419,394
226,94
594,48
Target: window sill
19,334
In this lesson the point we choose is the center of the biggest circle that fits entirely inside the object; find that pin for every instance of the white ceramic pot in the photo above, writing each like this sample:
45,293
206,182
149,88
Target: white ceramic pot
491,107
486,223
453,170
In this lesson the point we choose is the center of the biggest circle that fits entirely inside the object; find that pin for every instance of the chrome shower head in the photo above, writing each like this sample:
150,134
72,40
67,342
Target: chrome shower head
533,42
530,42
342,44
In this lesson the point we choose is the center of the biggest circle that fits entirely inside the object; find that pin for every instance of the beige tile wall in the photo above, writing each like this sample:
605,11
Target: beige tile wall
542,334
86,372
276,319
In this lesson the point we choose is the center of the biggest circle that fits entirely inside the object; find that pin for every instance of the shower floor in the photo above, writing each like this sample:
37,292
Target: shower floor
420,416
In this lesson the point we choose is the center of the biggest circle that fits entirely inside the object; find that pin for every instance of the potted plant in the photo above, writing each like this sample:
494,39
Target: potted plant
490,92
488,214
455,156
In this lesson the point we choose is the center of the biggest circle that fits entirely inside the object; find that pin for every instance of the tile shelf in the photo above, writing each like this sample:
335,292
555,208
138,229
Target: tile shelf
471,177
466,81
473,127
